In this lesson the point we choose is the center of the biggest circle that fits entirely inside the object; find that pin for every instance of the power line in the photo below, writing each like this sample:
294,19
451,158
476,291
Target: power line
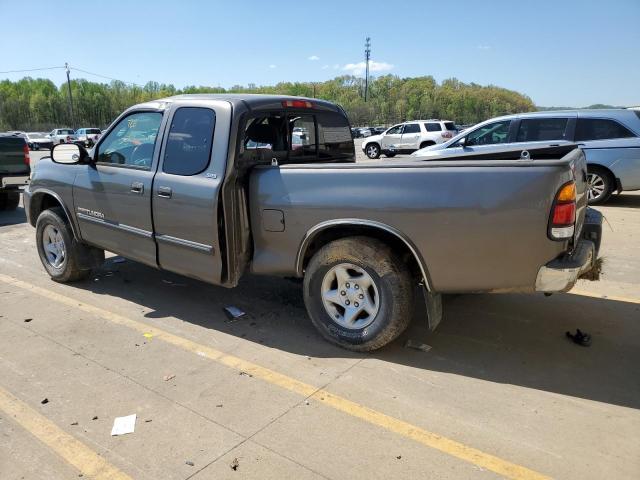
30,70
103,76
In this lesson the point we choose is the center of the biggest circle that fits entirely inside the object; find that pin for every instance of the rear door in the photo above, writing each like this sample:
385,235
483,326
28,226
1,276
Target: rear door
186,191
410,137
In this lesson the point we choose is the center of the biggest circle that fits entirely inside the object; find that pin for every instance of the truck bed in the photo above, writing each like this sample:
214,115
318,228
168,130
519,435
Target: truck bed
478,226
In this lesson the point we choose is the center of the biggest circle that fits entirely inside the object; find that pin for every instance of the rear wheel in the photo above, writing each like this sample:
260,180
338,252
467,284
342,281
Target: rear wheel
372,150
57,248
9,200
358,293
600,184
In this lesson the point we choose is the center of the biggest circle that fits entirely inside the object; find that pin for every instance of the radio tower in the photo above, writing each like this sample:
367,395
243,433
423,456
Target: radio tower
367,56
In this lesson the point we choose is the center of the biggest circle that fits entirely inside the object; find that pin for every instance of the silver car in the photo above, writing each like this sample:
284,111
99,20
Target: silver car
610,140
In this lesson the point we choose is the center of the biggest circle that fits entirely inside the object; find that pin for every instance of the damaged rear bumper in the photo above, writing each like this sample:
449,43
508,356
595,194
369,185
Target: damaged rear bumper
561,274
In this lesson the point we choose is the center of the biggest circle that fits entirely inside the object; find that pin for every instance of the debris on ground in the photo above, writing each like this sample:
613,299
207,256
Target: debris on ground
245,373
123,425
74,423
580,337
417,345
166,378
190,463
148,420
44,401
235,464
27,320
219,406
148,335
95,417
306,402
233,313
399,457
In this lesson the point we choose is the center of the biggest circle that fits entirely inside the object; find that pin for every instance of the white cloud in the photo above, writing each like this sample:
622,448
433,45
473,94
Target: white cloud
272,66
313,58
483,47
324,67
359,68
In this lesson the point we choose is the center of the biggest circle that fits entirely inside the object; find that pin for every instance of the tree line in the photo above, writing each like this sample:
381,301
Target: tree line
38,104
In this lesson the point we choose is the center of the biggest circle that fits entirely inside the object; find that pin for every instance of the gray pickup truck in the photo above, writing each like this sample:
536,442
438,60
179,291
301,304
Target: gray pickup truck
211,186
14,169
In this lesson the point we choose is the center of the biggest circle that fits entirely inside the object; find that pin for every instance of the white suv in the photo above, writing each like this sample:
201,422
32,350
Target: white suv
408,137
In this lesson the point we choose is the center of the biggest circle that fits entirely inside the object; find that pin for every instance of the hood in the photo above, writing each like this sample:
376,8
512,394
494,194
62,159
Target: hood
431,148
372,138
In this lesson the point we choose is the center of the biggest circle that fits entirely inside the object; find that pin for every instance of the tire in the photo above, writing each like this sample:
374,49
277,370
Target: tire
600,185
372,150
389,296
53,220
427,144
9,200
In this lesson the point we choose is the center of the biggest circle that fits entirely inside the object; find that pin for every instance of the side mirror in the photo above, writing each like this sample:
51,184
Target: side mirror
462,142
69,154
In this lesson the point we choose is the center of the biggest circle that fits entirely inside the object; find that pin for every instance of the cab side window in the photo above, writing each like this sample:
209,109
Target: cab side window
491,134
188,148
600,129
411,128
397,130
132,141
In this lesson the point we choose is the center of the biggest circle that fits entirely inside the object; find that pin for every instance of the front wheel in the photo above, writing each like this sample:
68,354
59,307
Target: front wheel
372,151
9,200
57,248
358,293
600,185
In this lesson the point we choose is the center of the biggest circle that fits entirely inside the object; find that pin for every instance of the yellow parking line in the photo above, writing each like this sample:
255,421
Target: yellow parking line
420,435
74,452
616,298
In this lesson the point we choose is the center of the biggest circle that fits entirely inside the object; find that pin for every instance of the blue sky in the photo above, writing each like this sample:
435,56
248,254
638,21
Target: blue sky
569,53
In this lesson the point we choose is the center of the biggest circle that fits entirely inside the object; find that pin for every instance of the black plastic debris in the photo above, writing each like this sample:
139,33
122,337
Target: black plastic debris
580,337
44,401
235,464
190,463
27,320
233,313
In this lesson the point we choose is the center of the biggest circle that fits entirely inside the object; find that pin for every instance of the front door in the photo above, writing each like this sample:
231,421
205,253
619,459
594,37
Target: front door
392,138
185,194
112,198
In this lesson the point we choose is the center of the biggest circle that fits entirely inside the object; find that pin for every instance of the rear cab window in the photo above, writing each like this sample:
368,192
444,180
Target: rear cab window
298,137
450,126
188,148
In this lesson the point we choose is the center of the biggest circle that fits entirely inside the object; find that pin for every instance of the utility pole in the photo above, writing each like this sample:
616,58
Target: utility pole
367,56
66,65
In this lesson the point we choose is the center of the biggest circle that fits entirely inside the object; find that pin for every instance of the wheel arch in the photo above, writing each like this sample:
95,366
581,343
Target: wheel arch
328,231
616,181
427,143
42,200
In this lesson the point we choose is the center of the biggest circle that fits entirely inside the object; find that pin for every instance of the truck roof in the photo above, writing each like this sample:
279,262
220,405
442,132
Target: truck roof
250,100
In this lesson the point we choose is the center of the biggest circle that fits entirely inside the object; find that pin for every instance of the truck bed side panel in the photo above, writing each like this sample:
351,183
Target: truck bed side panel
478,228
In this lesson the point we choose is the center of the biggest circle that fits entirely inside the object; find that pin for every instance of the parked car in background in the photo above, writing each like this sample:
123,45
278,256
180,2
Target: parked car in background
62,135
38,140
88,136
408,137
610,140
14,169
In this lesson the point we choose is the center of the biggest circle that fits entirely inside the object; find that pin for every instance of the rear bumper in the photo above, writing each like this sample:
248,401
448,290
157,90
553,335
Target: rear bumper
14,181
561,274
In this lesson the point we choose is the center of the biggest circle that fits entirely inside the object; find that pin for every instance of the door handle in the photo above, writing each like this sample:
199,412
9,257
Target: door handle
137,187
164,192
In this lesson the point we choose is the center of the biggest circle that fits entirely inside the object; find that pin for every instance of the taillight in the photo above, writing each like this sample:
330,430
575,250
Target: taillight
27,159
563,213
69,138
297,104
447,135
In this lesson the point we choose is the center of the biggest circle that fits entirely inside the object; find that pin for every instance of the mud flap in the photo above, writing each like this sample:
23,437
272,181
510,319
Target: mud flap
433,303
